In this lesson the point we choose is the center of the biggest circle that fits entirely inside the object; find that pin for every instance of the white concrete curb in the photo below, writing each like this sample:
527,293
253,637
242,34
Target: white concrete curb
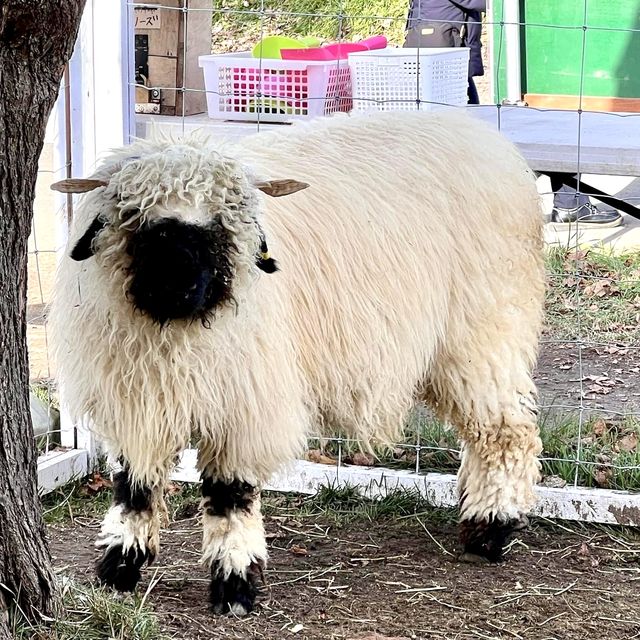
570,503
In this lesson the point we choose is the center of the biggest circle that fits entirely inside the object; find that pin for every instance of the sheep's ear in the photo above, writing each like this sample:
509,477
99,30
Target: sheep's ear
78,185
277,188
84,247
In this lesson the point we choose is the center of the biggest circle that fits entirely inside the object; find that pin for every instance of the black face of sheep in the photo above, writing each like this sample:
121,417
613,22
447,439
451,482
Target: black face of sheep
179,271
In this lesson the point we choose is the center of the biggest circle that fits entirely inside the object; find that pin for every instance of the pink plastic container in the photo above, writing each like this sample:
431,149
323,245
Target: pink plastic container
335,51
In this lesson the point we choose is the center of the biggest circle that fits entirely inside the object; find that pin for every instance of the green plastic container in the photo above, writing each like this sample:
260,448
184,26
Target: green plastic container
561,58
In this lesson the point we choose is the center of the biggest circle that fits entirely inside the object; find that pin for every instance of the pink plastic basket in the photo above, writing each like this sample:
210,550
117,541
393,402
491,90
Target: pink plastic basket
240,87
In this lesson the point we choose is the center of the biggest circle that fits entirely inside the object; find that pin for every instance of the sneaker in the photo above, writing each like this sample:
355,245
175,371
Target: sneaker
587,214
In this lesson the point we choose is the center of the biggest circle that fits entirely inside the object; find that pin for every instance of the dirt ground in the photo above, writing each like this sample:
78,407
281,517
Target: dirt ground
609,385
394,577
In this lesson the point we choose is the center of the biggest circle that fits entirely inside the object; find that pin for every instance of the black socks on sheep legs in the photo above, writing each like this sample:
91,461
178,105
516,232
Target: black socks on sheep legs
235,594
484,540
129,517
234,543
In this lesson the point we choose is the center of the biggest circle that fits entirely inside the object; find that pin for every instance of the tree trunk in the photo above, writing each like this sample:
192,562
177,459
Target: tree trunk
36,41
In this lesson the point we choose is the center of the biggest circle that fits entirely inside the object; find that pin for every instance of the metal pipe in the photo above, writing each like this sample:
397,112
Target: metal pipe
511,18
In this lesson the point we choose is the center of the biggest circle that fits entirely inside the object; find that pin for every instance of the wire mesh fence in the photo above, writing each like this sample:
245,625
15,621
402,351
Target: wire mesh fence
587,374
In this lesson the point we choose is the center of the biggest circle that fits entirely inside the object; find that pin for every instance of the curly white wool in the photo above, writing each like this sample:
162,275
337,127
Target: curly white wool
411,270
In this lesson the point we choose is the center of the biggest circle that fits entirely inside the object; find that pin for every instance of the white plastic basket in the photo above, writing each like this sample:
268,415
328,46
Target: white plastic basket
240,87
409,79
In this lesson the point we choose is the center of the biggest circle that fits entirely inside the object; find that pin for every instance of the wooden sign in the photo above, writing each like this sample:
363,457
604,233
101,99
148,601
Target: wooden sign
147,18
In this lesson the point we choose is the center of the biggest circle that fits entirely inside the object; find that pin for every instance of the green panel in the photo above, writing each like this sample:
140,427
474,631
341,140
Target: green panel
557,49
499,50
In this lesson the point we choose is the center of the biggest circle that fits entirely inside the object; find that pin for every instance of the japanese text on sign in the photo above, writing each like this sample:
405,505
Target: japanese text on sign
147,18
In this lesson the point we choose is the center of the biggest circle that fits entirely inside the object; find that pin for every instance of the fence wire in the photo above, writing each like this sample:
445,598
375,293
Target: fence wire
587,375
578,448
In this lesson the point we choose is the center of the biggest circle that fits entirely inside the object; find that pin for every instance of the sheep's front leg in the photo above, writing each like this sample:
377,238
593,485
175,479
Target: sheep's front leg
234,544
130,532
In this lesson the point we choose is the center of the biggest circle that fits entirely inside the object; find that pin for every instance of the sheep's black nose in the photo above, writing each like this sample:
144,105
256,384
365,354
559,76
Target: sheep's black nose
174,271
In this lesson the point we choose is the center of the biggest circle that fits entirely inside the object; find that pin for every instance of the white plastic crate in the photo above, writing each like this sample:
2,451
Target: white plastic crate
240,87
409,79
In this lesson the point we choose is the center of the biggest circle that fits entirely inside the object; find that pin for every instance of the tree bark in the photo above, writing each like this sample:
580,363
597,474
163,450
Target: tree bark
36,41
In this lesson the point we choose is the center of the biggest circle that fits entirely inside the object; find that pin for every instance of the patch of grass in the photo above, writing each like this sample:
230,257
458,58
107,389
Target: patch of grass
593,295
607,450
346,504
45,391
238,25
90,498
183,500
75,500
94,613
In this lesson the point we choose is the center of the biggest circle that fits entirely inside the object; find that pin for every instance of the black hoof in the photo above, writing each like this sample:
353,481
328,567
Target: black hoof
235,594
121,571
484,540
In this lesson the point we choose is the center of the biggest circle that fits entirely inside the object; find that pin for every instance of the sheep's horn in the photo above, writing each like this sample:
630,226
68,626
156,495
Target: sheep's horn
277,188
77,185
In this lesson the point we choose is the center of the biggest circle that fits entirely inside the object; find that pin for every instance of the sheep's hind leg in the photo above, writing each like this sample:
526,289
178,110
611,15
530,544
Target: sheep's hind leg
496,480
234,544
130,533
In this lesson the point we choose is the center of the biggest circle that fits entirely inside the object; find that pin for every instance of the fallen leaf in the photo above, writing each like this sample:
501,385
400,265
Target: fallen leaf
298,550
628,442
577,254
172,488
603,380
554,482
600,289
599,428
315,455
615,349
362,459
296,628
602,477
97,483
599,389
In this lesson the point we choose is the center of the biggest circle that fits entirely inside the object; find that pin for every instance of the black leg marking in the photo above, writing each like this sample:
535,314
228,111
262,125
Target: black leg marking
221,497
236,594
116,568
119,570
133,498
484,540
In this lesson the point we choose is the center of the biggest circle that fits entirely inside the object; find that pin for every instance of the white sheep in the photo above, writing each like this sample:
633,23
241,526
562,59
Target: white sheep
410,270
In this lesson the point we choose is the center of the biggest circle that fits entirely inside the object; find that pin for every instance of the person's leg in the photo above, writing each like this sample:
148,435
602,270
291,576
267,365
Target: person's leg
568,199
472,92
570,207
